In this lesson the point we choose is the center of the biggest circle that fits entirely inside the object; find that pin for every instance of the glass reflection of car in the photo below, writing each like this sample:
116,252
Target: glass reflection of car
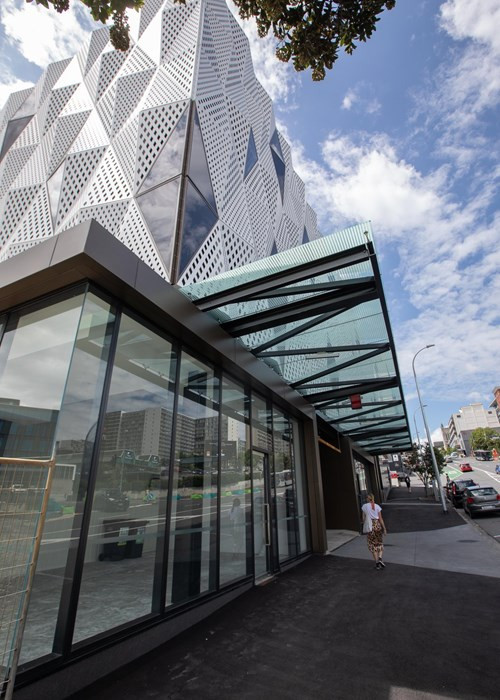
466,467
111,500
481,499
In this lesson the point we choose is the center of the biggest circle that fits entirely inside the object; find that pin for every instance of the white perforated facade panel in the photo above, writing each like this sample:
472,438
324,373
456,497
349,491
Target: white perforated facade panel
110,135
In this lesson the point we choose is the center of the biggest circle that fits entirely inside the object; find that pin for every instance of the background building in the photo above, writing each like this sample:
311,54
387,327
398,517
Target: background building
461,425
495,404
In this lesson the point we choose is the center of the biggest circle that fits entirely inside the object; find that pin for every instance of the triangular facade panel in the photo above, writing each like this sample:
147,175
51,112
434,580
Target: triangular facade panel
110,138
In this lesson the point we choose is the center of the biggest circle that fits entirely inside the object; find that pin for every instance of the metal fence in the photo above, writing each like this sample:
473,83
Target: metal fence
24,497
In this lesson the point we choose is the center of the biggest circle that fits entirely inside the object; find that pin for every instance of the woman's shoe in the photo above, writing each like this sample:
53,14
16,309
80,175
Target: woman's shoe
380,564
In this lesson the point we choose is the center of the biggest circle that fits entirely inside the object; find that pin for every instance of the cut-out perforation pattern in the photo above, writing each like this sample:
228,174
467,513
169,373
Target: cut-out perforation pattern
148,12
98,41
37,223
93,135
137,62
129,91
240,132
208,261
77,172
125,145
35,170
135,235
13,104
108,182
111,62
174,21
237,251
155,127
11,166
216,131
16,205
108,215
50,77
181,68
66,130
58,100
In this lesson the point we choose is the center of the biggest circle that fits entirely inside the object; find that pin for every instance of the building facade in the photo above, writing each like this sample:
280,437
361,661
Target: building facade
462,424
178,340
172,146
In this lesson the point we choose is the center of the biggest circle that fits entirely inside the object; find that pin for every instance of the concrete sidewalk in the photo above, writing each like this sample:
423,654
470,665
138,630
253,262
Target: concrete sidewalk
333,627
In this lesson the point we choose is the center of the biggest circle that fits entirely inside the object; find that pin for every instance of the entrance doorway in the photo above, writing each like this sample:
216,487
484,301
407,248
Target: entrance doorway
262,516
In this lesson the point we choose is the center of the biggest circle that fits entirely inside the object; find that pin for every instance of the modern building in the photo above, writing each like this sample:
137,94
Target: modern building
495,404
177,338
462,424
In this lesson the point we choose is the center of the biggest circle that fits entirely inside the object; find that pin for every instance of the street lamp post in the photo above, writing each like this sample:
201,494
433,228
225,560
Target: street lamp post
415,422
431,447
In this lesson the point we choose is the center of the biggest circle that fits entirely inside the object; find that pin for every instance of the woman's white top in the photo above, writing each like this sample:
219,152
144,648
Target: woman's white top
371,512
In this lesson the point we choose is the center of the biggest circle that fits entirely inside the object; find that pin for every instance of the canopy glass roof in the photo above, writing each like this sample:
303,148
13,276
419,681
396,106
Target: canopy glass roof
317,315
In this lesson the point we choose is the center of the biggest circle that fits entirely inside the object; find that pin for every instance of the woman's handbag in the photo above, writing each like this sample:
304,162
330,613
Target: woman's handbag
367,525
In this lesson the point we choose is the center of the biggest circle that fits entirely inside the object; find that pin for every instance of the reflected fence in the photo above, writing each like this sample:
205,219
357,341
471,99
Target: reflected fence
24,498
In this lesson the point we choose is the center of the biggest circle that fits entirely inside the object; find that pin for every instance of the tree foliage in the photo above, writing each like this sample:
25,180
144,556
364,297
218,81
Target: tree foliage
484,439
310,33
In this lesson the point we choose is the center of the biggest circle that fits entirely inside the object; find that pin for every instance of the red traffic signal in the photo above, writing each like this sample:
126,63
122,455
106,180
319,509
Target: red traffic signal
355,401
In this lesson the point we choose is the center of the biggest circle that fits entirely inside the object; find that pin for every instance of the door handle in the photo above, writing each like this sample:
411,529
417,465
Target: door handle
267,523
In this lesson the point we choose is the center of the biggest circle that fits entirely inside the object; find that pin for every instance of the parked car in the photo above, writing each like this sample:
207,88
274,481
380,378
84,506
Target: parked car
111,500
455,490
466,467
448,459
481,499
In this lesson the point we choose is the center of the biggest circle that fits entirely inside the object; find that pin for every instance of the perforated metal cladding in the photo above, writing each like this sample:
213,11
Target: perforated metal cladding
102,120
155,127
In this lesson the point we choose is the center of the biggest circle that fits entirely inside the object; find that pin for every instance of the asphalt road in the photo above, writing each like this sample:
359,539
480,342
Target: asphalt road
483,474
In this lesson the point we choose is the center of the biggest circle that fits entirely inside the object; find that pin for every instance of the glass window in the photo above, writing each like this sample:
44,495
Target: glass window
261,424
284,487
300,480
34,359
236,513
193,525
198,166
75,437
199,219
126,533
159,208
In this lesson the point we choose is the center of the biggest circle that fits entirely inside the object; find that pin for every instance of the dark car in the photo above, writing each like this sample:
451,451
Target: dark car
455,490
466,467
481,499
111,500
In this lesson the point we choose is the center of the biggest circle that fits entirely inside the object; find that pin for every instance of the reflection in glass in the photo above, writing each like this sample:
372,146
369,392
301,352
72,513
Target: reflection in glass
193,524
261,513
199,219
34,358
198,166
236,515
169,162
14,128
276,145
261,424
251,154
299,471
305,236
129,505
75,438
159,208
284,487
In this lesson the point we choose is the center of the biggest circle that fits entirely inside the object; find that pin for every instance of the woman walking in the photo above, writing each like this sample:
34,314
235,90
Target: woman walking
374,527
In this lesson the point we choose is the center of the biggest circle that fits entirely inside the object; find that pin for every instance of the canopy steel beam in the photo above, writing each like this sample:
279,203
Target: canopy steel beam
327,348
309,288
381,433
241,292
296,331
352,417
356,388
300,310
375,425
342,365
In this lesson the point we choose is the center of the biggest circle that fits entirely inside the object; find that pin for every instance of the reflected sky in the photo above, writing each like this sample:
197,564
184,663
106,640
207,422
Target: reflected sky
159,208
169,162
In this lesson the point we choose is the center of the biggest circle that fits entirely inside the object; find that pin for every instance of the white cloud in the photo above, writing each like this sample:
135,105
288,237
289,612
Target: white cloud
473,19
349,99
10,84
43,36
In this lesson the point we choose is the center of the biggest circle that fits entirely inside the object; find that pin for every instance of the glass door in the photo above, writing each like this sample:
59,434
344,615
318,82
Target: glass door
262,523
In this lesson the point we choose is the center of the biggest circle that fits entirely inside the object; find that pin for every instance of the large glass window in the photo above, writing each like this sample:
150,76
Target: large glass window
34,359
59,332
236,513
193,523
284,487
126,534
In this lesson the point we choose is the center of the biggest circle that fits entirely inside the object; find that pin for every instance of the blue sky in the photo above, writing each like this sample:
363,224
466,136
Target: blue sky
404,133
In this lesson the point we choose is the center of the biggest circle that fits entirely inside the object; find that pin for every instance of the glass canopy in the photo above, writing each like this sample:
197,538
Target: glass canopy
317,315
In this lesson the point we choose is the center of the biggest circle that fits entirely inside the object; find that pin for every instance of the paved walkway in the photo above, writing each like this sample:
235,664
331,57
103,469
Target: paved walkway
425,628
